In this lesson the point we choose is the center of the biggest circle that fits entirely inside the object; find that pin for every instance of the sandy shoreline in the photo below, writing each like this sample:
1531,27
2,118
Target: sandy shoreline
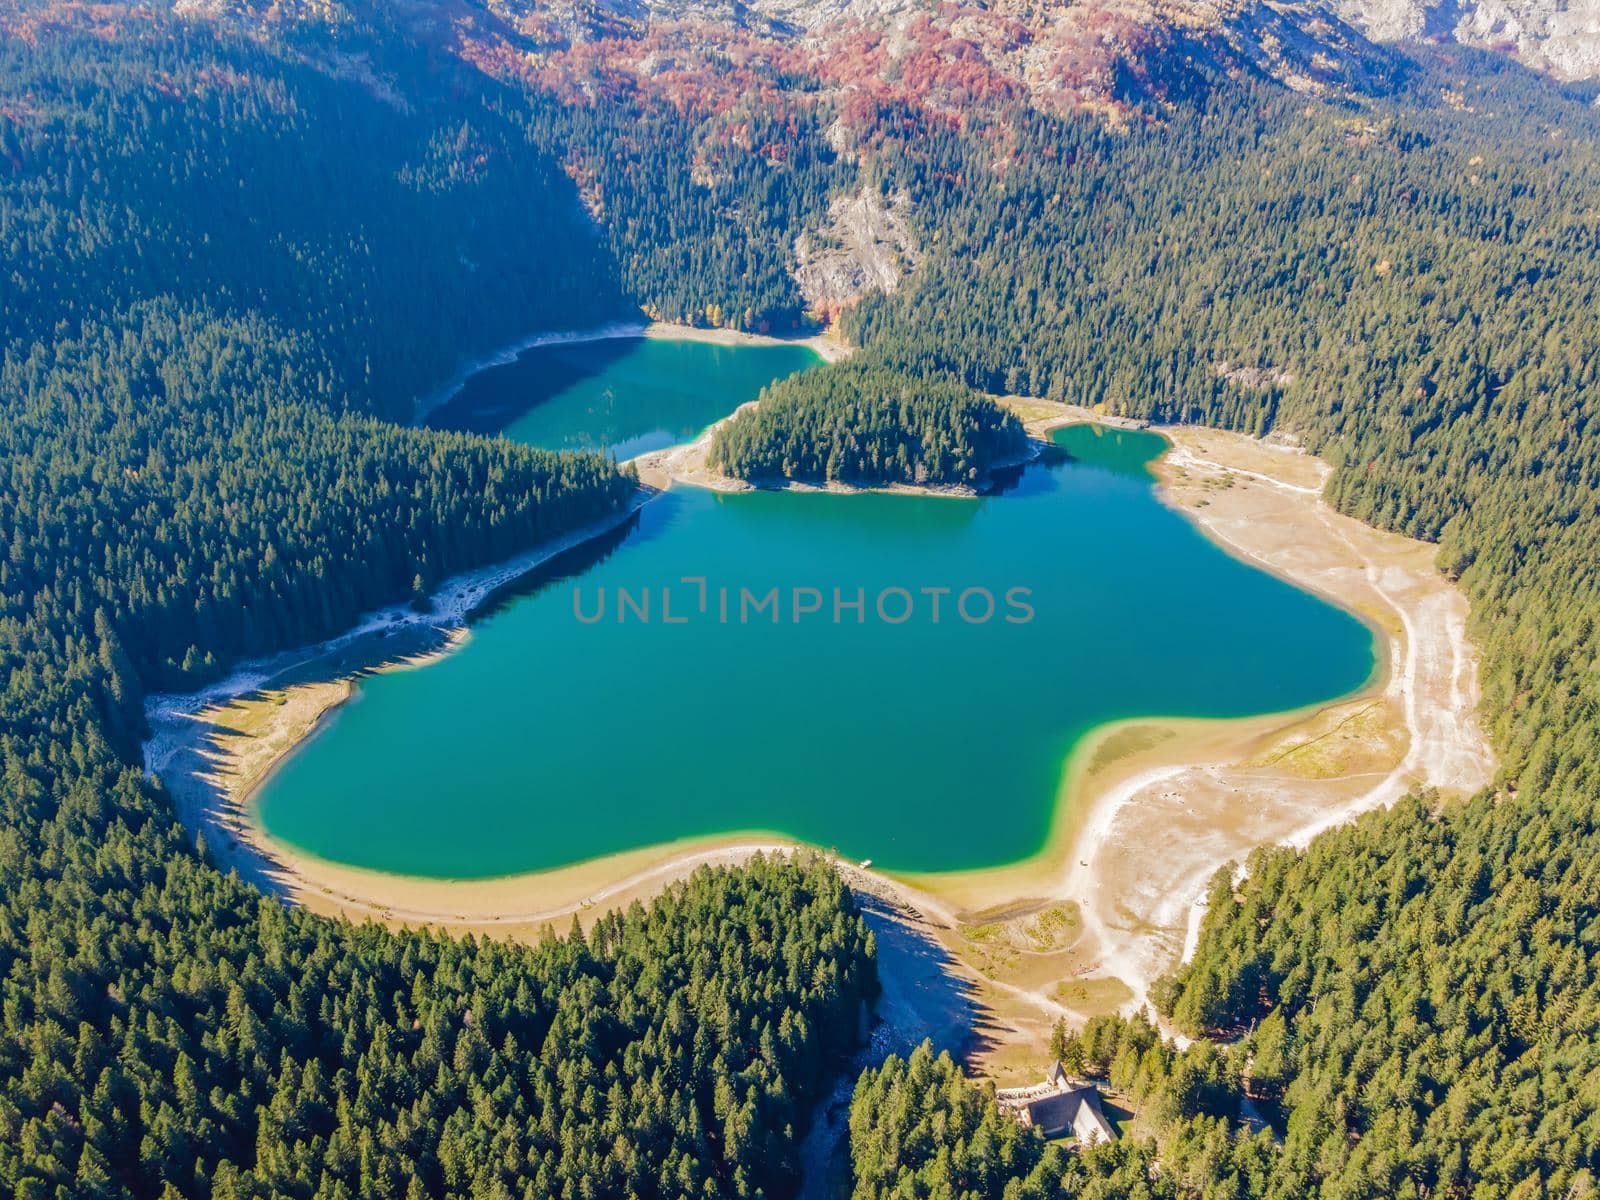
1151,808
1162,821
827,345
212,749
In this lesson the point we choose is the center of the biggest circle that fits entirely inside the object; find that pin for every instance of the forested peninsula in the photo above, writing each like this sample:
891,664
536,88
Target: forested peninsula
867,425
1410,296
235,250
194,468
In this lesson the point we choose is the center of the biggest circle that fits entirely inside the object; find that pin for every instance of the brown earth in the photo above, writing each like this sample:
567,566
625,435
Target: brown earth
1152,808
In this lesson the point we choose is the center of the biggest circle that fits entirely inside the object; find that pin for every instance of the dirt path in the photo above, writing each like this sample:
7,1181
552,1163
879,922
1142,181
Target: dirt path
1151,844
989,962
1165,810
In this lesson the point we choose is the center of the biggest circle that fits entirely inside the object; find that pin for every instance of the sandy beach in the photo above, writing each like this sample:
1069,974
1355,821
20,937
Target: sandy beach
1160,806
1150,809
827,345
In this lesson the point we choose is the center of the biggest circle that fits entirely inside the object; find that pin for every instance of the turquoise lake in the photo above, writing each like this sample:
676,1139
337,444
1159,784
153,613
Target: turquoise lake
629,395
564,731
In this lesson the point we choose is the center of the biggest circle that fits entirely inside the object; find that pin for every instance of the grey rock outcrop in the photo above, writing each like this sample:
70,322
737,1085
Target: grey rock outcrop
1560,37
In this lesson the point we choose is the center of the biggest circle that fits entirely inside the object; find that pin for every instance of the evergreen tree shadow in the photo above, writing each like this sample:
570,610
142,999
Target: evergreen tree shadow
570,564
495,397
216,758
926,995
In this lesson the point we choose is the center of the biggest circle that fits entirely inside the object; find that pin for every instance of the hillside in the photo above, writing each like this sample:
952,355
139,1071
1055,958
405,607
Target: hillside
237,243
225,259
146,158
1405,291
1561,39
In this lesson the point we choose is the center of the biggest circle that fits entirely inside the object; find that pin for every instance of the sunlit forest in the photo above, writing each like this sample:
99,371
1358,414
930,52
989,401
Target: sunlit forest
864,424
1409,289
233,264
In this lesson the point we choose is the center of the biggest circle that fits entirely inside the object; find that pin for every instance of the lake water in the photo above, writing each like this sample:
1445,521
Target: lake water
630,395
579,721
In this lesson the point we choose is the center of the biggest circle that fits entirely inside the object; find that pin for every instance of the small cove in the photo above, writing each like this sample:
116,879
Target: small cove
926,744
628,395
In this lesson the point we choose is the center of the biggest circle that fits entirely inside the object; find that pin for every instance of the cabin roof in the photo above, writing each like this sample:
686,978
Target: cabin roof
1076,1110
1053,1115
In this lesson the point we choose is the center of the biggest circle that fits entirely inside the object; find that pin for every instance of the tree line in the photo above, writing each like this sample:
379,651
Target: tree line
1409,287
189,475
221,254
409,229
154,483
700,216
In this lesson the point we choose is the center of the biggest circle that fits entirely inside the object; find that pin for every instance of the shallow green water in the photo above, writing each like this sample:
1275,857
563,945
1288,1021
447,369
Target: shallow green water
629,395
931,744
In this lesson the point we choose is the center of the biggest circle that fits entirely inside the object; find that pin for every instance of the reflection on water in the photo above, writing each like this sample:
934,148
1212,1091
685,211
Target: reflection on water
569,565
626,395
1105,448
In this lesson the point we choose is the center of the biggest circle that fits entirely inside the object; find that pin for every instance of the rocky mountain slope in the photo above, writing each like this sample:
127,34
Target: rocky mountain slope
865,245
952,56
1559,37
942,56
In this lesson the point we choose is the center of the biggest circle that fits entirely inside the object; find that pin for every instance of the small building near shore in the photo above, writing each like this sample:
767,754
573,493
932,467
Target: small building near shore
1060,1106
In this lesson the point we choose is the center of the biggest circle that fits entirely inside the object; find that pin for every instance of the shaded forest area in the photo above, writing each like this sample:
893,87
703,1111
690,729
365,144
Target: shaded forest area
224,257
224,260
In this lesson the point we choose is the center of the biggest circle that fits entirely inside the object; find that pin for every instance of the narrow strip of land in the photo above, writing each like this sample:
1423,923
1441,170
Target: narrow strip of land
1157,819
1158,806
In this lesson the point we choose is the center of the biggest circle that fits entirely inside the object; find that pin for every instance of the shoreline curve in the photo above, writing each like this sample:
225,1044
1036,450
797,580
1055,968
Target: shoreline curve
1124,934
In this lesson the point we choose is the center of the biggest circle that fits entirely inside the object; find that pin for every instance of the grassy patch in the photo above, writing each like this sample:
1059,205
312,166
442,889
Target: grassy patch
1335,745
1054,929
1029,408
1127,740
1093,996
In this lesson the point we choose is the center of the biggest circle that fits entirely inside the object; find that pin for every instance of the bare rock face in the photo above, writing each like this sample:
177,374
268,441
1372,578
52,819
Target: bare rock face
1390,20
865,245
948,58
1560,37
945,58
